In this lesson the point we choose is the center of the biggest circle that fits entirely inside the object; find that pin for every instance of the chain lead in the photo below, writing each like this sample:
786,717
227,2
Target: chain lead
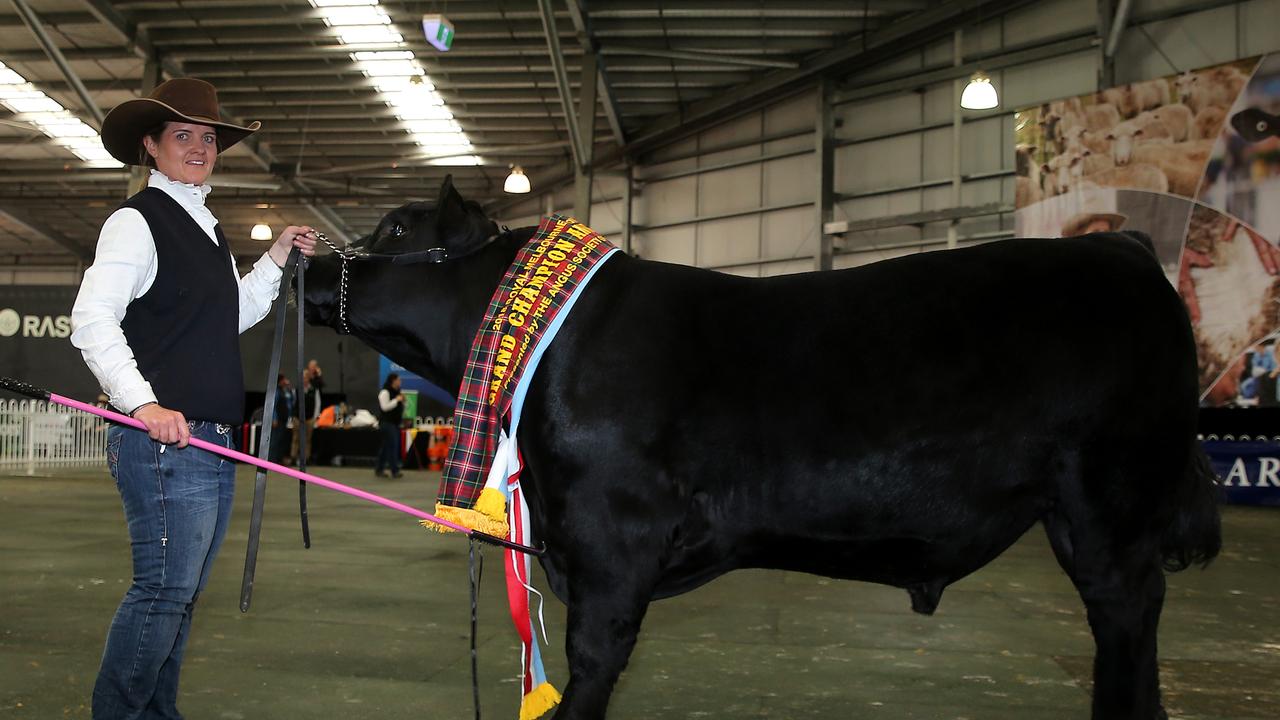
344,255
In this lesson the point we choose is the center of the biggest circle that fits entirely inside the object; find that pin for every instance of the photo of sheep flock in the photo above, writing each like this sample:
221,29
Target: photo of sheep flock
1192,159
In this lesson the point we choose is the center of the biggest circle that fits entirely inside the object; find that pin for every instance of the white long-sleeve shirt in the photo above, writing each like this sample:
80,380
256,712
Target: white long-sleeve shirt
385,402
124,268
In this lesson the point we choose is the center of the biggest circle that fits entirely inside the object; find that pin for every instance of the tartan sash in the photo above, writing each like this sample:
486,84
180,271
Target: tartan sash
545,276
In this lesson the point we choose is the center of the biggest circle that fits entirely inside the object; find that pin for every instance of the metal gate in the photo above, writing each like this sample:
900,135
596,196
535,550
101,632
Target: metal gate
36,435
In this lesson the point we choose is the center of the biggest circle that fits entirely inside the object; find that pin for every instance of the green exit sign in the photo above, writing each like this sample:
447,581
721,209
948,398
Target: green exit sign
439,31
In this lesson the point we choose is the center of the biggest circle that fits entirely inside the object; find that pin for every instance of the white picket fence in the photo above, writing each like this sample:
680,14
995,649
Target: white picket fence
38,436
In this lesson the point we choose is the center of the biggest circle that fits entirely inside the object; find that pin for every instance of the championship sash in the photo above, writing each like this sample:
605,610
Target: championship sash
544,280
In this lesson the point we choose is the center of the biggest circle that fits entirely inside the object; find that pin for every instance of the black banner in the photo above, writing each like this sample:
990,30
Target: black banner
35,346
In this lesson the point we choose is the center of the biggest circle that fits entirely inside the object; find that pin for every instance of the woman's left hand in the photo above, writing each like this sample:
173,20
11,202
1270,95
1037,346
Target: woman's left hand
300,236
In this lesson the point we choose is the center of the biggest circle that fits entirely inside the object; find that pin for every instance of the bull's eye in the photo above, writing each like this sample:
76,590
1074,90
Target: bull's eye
1262,126
397,230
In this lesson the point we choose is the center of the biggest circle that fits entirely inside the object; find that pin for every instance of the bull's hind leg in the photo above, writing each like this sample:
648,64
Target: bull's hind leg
1122,585
605,612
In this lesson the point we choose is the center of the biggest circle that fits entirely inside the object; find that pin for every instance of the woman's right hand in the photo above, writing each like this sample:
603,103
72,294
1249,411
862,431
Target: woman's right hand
164,425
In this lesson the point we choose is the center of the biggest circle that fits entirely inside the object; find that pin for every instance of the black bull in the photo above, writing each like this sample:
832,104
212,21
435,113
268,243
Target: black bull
936,407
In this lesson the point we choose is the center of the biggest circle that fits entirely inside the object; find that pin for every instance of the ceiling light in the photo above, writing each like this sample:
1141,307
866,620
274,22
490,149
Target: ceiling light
362,15
19,90
421,112
391,68
260,232
376,55
456,160
33,105
419,126
369,35
401,80
979,94
453,140
517,182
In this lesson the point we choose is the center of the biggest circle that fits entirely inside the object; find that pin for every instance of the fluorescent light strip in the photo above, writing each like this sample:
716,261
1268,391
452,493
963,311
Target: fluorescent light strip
401,80
42,111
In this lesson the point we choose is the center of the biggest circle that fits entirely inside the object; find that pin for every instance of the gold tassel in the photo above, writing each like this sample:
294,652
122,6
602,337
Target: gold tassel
492,503
539,701
467,518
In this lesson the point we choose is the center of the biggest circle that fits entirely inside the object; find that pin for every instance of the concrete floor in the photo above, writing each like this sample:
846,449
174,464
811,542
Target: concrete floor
372,623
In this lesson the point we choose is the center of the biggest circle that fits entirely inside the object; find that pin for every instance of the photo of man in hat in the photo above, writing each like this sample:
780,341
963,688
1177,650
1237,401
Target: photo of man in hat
1092,222
157,319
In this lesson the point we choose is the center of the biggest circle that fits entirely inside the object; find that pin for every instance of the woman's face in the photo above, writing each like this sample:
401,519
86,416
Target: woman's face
185,152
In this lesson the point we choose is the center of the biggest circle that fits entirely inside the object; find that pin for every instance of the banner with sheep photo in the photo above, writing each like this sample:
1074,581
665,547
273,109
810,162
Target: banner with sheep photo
1193,160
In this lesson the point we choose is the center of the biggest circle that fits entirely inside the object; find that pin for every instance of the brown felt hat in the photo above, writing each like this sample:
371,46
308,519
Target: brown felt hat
1077,223
178,100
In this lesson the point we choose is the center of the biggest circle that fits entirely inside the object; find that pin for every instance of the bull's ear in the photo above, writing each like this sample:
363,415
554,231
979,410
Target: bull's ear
449,209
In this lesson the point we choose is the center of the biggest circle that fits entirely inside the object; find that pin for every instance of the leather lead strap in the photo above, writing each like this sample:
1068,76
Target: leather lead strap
264,444
302,410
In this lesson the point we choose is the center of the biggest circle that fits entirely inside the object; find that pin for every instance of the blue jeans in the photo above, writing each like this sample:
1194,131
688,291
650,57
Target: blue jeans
177,504
389,452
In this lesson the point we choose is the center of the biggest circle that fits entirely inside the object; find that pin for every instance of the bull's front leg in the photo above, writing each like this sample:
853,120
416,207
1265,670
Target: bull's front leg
607,603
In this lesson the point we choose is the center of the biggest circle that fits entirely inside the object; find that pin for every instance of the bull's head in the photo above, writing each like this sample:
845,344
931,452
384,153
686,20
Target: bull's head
424,313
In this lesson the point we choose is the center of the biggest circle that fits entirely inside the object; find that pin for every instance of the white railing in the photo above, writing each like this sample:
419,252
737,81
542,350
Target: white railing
38,435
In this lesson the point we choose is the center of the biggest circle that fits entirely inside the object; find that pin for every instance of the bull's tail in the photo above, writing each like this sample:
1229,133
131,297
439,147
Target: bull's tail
1195,535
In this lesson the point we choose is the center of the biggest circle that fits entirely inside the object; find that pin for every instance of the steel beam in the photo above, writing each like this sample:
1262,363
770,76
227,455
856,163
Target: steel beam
150,79
425,157
562,79
824,132
839,227
582,24
698,57
33,225
51,49
1013,56
1117,27
584,173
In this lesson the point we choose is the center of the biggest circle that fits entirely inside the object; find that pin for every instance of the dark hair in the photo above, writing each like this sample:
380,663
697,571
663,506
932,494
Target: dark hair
144,157
390,379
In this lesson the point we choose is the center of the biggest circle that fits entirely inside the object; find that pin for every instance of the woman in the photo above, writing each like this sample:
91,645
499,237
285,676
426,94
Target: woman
157,320
391,404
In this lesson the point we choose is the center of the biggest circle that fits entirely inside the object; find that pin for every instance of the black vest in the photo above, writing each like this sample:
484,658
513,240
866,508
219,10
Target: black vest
185,330
395,414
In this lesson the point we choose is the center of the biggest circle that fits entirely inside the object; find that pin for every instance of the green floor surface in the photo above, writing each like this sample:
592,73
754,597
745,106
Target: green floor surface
371,622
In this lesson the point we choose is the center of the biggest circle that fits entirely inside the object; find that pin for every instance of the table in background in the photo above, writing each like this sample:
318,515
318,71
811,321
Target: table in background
345,446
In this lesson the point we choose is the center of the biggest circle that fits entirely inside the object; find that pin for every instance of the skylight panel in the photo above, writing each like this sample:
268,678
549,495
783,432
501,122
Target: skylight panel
375,56
369,35
420,126
400,78
66,130
448,140
391,68
354,15
457,160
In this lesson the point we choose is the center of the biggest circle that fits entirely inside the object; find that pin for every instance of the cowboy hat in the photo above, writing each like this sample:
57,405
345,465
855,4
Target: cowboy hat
177,100
1080,221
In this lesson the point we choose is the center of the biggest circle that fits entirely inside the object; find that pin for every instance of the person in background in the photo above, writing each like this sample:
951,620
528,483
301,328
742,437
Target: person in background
391,406
312,384
158,318
283,416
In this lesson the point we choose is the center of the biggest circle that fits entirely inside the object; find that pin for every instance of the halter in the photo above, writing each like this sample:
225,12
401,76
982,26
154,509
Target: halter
435,255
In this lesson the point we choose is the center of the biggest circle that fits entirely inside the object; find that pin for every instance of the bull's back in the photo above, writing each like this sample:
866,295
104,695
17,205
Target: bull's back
988,325
881,411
